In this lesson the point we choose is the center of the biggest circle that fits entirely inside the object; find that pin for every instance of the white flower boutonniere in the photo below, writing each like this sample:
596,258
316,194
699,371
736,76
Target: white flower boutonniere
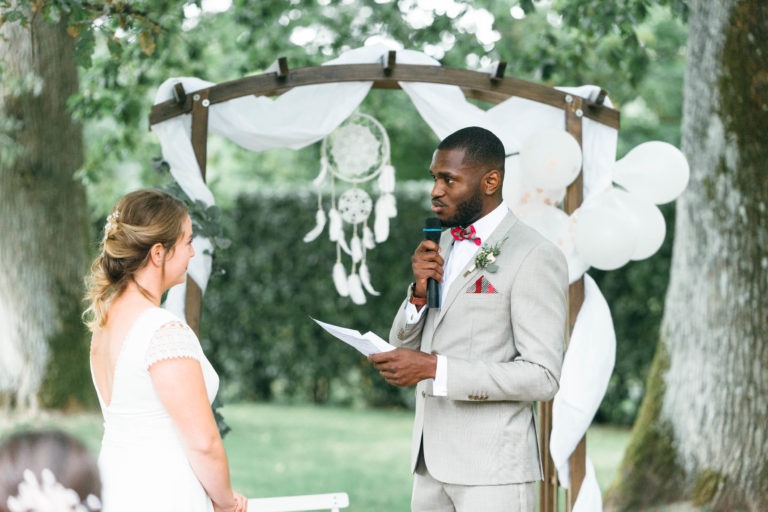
486,258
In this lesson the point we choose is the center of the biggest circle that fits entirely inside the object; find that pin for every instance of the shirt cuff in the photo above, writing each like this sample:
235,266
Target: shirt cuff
440,386
413,315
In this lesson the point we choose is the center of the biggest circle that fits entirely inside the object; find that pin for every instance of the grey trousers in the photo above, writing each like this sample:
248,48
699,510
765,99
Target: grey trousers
429,495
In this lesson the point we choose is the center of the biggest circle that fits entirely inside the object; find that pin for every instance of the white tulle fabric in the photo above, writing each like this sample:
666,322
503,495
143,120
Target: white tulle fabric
142,460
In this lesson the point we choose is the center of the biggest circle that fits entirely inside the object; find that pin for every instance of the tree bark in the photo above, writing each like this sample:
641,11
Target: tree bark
701,434
43,221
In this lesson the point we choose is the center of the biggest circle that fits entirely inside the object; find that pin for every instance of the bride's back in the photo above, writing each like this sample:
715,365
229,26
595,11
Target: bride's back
107,341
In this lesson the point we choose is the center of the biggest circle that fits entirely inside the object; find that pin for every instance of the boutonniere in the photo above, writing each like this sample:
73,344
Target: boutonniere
486,258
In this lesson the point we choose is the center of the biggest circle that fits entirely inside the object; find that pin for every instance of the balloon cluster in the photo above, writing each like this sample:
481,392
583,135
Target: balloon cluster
611,227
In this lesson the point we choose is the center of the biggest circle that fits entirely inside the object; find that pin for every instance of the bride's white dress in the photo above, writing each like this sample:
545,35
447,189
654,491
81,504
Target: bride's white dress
142,461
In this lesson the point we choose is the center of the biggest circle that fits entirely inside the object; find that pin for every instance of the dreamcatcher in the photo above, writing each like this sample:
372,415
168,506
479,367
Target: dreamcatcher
354,154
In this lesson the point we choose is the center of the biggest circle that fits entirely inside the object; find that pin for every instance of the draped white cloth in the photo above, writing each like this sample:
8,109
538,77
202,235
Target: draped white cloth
305,115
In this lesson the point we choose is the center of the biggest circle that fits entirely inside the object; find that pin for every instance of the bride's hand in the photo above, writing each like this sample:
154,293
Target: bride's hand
242,503
239,503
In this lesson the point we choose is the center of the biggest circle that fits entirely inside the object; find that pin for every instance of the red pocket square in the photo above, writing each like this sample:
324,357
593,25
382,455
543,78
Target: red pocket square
482,285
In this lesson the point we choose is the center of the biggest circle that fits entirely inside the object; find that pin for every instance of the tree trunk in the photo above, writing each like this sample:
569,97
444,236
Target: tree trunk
701,434
43,221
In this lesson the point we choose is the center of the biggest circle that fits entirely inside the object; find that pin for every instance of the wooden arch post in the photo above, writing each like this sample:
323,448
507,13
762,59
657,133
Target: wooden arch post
492,88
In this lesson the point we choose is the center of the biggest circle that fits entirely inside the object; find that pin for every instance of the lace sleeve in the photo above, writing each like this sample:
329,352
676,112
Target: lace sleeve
171,340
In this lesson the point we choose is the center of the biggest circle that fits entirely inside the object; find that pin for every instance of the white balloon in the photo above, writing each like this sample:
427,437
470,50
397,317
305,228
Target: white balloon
513,180
604,232
650,227
555,225
550,159
655,170
550,222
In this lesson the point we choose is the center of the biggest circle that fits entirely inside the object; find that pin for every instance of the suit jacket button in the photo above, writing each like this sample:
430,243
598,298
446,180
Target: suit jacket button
423,394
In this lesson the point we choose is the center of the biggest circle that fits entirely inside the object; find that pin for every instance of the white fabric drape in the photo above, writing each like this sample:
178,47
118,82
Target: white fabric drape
305,115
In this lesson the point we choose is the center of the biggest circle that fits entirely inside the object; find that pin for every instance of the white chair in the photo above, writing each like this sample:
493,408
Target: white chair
333,502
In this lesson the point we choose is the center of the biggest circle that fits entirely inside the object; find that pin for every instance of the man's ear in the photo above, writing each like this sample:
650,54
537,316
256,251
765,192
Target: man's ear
491,182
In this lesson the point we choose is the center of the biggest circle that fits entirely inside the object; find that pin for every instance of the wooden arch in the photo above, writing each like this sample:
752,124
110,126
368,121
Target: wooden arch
492,88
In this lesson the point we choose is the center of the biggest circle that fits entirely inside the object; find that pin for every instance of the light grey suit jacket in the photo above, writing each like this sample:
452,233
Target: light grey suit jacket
504,351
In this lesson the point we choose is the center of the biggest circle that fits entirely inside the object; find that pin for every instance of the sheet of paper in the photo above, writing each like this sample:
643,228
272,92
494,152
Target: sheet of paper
367,344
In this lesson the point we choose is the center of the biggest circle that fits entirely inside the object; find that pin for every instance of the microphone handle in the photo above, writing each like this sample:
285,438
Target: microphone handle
432,230
433,293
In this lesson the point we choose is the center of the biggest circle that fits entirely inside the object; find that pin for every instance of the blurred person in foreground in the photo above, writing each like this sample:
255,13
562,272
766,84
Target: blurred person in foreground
47,471
161,450
492,348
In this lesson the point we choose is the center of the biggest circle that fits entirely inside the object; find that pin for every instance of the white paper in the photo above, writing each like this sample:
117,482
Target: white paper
367,344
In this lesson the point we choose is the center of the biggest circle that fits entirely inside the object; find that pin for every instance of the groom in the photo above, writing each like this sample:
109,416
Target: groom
493,347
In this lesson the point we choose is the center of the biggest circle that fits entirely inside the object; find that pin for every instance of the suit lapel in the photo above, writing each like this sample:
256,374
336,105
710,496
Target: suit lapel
462,280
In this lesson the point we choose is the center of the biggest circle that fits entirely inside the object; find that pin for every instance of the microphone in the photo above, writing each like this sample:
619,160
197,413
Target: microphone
432,230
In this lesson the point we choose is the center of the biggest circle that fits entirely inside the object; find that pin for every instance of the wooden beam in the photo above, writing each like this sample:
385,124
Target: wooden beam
474,84
193,305
574,115
548,486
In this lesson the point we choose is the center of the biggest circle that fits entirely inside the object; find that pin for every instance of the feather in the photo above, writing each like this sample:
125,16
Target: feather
381,228
389,205
340,279
342,242
319,225
357,248
356,290
318,181
387,179
368,240
335,229
365,278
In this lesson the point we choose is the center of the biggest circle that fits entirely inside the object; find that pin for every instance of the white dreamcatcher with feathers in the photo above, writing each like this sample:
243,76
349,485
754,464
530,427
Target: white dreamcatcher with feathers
352,156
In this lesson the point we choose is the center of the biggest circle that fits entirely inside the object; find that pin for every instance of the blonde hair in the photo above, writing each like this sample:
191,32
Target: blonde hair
138,221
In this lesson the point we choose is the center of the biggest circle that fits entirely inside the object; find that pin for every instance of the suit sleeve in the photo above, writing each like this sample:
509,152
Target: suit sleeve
403,334
537,309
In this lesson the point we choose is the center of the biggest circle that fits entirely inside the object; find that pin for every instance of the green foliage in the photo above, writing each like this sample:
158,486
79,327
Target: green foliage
256,323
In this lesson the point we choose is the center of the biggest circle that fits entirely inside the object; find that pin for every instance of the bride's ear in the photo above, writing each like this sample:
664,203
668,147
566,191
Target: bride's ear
156,254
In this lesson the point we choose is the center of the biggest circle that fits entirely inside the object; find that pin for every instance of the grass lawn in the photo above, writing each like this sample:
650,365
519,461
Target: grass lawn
277,450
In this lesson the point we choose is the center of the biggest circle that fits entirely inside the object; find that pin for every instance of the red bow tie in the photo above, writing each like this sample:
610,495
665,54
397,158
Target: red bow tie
469,233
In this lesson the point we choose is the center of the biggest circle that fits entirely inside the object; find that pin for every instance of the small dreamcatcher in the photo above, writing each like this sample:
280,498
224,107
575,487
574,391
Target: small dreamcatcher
355,153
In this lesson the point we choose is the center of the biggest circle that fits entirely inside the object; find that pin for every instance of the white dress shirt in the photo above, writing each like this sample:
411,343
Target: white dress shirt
461,252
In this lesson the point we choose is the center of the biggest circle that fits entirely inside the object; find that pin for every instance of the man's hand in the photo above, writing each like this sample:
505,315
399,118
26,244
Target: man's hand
404,367
426,262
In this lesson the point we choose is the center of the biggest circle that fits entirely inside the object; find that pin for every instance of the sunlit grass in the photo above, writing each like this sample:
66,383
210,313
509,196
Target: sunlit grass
280,450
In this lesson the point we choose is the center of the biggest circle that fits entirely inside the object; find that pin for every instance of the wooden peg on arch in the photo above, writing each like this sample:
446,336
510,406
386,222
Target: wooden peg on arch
601,97
388,62
179,94
498,73
282,68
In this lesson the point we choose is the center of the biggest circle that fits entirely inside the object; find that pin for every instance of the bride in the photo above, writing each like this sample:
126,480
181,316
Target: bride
161,449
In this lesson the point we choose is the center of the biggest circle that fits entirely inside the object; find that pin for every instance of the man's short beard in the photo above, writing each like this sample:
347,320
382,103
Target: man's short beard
467,212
